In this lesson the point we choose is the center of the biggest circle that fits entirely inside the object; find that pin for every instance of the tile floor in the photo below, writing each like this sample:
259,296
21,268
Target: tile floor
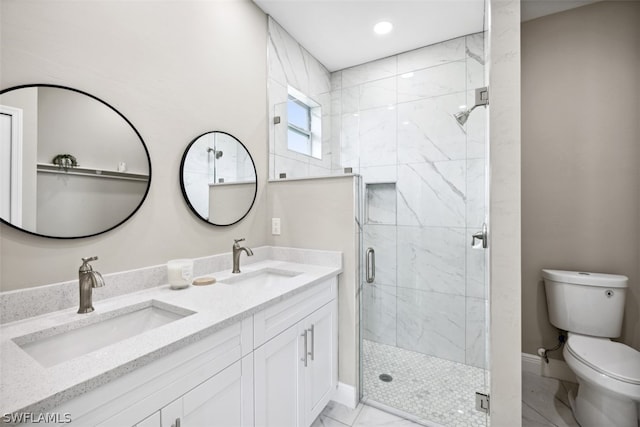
544,404
336,415
429,388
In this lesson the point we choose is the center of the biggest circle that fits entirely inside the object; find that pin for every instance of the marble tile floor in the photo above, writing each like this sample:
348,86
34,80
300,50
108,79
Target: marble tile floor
337,415
545,402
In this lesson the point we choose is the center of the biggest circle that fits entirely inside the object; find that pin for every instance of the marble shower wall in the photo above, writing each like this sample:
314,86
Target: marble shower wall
291,65
425,194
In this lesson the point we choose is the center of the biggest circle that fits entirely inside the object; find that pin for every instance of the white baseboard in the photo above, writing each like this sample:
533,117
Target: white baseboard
346,395
554,369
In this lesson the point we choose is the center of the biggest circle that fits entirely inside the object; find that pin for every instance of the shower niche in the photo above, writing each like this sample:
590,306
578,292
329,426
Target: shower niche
380,206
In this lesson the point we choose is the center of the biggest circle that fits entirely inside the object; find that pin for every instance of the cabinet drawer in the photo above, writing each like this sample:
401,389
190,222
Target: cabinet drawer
270,322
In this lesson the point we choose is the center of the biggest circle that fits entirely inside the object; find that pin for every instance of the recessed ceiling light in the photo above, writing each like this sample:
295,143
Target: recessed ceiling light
383,27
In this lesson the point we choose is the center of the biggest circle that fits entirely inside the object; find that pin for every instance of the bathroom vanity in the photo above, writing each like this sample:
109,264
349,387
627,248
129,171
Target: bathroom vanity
256,348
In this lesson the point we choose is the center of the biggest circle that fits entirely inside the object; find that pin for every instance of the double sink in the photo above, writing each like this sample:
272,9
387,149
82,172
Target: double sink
52,346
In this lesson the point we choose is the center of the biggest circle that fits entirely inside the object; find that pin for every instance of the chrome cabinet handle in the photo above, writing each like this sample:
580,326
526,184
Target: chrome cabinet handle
480,235
371,265
304,359
313,341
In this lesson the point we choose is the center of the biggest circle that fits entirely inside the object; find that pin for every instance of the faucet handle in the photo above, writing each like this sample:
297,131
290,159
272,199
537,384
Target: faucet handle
238,240
85,263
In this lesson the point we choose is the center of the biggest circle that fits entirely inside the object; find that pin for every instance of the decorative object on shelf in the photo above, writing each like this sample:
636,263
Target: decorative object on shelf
65,161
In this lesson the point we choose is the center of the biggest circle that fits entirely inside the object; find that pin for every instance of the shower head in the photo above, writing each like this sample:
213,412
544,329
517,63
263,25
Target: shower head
482,98
217,153
462,116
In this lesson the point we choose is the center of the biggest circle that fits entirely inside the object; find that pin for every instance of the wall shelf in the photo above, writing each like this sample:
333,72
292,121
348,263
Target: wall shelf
94,173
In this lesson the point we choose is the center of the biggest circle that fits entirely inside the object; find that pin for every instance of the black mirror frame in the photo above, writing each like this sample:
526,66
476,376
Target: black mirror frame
144,146
184,192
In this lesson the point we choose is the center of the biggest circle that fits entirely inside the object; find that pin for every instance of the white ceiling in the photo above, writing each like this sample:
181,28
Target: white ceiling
339,32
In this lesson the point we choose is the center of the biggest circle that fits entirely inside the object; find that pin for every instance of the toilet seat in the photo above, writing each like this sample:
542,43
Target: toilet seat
609,358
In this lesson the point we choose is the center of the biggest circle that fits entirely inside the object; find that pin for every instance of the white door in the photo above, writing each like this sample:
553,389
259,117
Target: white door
321,375
278,375
11,164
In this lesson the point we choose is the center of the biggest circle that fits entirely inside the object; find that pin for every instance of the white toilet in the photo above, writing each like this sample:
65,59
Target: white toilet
590,307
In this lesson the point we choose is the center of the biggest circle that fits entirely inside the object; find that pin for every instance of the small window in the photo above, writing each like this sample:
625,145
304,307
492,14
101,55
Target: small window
299,132
303,121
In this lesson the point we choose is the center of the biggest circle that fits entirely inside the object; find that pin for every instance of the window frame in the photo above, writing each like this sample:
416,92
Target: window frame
311,137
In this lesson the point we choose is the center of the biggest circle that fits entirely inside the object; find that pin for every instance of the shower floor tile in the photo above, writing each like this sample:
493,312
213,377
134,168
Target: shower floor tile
433,390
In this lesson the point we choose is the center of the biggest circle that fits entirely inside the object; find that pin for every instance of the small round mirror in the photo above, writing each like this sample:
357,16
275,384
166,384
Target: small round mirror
71,165
218,178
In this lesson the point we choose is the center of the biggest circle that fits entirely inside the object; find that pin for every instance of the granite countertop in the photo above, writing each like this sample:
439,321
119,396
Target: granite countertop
27,386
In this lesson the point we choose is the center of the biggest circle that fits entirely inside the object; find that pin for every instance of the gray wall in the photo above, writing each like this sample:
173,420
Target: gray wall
133,55
320,214
70,122
580,154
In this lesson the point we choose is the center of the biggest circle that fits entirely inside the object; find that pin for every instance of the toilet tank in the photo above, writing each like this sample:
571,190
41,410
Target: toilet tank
586,303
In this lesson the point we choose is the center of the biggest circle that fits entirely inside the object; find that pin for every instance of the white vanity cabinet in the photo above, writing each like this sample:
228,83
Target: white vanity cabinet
296,368
276,368
207,383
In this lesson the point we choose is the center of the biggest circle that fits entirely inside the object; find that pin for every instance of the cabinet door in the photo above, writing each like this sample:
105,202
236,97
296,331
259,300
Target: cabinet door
151,421
224,400
321,374
171,415
278,375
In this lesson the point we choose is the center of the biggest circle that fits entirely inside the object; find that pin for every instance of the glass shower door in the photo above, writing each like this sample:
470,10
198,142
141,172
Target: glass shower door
424,316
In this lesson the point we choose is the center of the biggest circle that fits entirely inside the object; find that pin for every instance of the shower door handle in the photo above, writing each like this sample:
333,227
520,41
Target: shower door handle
480,235
371,265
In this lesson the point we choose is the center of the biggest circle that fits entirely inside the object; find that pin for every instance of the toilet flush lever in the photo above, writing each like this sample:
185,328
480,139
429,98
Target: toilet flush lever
480,235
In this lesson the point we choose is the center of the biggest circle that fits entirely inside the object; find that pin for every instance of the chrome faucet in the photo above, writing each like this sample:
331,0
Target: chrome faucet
88,279
237,250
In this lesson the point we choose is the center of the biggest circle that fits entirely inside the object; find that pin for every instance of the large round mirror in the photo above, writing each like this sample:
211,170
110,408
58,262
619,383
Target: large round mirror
218,178
71,165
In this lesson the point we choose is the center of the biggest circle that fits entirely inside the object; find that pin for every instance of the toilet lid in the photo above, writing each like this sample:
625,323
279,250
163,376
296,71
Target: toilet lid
610,358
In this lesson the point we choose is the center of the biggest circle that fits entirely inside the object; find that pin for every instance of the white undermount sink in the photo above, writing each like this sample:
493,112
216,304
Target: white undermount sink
62,343
264,277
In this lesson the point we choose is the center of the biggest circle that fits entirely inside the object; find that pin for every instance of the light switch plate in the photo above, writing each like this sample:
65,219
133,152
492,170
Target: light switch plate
275,226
